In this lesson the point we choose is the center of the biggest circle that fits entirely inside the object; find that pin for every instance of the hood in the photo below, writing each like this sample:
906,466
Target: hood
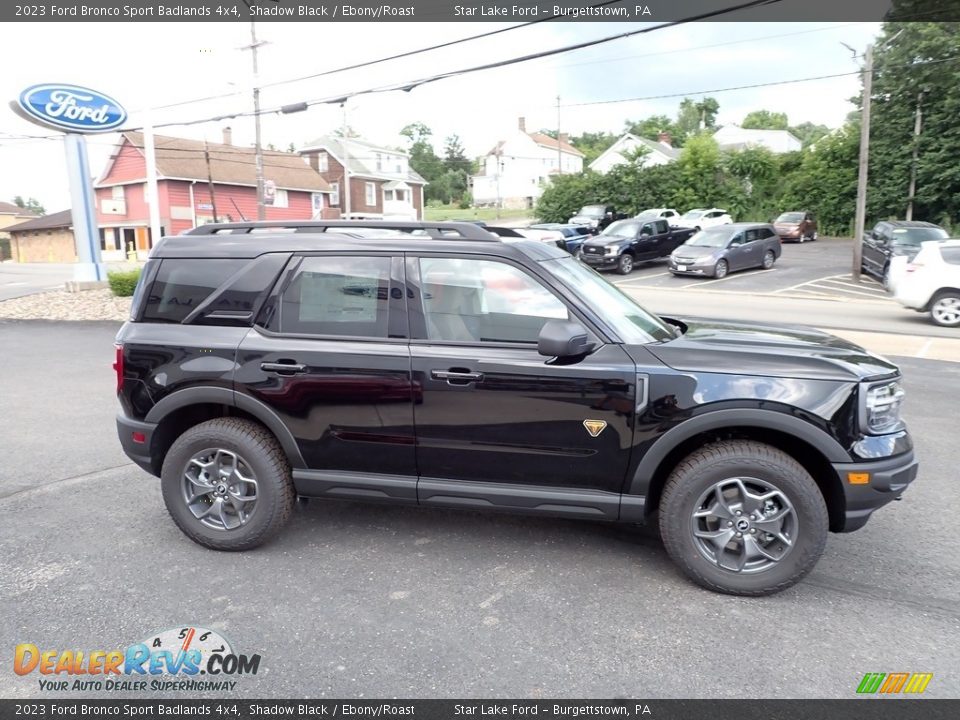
778,350
584,220
786,227
695,251
603,240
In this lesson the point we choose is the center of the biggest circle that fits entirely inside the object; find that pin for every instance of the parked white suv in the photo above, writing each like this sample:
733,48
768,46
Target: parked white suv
668,214
700,218
931,282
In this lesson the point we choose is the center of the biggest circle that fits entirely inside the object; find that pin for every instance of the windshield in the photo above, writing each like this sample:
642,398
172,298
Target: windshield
647,215
915,236
622,228
790,218
712,237
592,211
693,214
623,314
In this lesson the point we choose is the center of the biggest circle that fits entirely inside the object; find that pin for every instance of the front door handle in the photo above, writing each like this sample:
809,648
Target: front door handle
456,377
283,368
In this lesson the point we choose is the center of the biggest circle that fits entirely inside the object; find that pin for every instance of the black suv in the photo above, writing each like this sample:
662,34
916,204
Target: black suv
891,238
435,365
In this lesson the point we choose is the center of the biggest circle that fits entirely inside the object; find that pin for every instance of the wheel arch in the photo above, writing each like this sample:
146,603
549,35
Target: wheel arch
805,443
183,409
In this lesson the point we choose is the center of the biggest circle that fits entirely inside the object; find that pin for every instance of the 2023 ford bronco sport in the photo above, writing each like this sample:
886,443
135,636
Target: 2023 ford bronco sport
436,365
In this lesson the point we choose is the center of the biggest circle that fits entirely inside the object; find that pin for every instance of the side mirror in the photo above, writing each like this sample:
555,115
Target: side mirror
563,338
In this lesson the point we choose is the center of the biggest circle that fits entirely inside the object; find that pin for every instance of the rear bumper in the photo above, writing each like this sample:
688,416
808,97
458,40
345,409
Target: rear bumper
888,479
137,451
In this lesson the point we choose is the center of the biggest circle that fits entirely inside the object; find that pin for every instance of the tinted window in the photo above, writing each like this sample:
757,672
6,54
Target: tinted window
917,235
622,228
661,226
951,255
181,285
791,217
484,301
347,296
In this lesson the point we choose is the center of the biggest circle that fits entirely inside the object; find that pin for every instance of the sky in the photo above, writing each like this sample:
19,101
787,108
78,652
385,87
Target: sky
147,65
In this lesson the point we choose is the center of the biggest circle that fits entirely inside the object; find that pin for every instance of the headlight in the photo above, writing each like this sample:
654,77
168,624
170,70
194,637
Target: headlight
880,407
611,249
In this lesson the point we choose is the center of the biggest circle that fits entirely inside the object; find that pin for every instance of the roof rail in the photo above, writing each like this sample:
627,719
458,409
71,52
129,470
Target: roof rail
434,230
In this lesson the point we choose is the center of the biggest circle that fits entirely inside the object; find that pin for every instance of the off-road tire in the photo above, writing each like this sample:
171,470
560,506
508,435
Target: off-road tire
260,449
747,458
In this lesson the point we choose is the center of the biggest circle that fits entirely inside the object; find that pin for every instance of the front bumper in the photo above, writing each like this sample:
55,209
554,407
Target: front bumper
888,479
136,450
601,262
690,268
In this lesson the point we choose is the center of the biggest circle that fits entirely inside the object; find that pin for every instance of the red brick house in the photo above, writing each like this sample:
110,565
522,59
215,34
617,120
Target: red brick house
368,181
295,190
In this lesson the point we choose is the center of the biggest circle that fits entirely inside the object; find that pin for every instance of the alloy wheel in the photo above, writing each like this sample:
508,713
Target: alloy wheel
721,269
219,488
768,260
744,525
946,310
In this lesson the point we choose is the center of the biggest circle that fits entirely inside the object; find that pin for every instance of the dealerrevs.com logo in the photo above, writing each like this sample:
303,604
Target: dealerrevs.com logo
185,658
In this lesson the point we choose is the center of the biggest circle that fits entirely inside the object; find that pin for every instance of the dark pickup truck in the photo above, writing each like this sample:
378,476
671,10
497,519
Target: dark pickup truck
626,242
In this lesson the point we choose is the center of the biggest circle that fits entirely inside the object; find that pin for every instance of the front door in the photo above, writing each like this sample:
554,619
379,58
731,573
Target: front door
497,418
330,357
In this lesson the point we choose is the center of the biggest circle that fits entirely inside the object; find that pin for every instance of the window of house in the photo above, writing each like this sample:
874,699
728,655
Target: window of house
379,162
323,162
280,199
335,194
116,192
400,166
371,197
398,194
346,296
468,300
388,195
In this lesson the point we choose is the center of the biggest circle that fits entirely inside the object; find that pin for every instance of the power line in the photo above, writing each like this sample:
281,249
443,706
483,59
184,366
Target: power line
410,85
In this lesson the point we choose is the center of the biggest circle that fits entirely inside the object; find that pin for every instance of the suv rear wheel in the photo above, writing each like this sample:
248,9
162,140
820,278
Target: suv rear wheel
226,484
945,309
743,518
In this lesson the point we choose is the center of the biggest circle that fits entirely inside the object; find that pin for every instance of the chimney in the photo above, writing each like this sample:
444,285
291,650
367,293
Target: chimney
523,124
227,136
665,138
564,138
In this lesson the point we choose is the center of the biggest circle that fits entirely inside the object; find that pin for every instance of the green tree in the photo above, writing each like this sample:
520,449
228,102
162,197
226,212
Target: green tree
424,161
765,120
592,144
454,156
915,63
696,116
700,171
31,204
568,193
808,133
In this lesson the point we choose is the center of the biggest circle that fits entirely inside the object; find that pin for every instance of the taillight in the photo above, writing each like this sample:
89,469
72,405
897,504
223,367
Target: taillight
118,366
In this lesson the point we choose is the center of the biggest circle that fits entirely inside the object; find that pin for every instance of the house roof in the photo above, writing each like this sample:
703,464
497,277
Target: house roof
64,218
361,157
618,146
552,143
229,164
744,137
12,209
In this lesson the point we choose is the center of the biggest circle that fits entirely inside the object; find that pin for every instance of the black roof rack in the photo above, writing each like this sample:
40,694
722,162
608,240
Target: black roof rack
436,230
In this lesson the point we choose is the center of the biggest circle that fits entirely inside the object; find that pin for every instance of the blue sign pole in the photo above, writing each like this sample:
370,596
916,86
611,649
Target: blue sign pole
89,266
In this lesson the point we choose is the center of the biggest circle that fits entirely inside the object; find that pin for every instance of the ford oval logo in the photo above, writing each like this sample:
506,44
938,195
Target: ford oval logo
72,108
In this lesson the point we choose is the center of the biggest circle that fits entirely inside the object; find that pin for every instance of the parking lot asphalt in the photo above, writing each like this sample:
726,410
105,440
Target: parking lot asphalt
19,279
816,270
356,600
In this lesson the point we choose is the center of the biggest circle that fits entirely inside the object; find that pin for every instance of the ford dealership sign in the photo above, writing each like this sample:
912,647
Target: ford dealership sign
71,108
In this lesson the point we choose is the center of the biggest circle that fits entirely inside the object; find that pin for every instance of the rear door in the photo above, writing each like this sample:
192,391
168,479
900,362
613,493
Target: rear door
873,249
497,419
329,356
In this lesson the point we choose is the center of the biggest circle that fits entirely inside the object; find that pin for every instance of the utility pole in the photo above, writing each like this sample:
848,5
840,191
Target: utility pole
861,214
213,199
252,47
917,126
499,170
559,150
345,201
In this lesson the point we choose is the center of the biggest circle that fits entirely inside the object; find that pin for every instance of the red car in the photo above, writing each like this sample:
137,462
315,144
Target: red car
796,226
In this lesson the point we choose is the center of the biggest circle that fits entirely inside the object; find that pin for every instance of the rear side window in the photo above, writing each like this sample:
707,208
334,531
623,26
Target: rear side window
182,284
951,255
345,296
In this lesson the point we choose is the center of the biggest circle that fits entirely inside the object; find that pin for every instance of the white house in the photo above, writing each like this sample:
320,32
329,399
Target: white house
734,137
658,152
515,171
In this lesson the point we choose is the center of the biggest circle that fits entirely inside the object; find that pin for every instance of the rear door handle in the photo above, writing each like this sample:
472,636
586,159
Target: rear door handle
455,377
283,368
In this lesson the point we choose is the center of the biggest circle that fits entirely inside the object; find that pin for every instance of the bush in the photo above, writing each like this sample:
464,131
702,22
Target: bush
123,282
466,202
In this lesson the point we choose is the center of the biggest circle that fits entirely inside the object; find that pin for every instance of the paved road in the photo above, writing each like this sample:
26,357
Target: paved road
365,600
19,279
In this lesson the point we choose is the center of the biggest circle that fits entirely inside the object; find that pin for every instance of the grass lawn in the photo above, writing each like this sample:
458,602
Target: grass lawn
486,214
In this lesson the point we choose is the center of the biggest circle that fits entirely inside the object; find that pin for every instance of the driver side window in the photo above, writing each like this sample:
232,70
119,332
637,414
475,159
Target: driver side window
737,241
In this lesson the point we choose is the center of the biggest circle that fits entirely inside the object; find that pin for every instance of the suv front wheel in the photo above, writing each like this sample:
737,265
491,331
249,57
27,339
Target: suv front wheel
743,518
227,485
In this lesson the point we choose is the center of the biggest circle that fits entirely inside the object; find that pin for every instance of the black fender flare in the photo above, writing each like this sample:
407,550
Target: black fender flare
224,396
832,450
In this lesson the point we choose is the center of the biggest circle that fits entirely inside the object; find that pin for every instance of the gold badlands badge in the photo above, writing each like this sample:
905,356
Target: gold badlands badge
594,427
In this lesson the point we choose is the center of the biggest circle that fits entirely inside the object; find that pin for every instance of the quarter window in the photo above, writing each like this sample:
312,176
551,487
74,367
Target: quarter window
484,301
346,296
181,285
